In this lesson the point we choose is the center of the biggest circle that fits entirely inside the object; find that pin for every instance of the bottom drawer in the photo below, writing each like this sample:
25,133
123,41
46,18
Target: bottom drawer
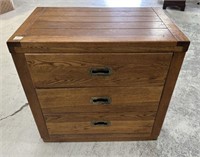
100,127
101,123
98,137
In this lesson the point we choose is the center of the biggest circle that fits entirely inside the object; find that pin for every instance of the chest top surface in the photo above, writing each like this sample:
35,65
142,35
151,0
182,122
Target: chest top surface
76,26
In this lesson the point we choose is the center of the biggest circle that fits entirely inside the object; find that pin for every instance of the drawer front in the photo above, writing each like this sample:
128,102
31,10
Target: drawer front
110,99
88,70
100,127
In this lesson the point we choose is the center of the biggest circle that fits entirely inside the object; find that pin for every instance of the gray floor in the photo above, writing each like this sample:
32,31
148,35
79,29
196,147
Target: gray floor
180,134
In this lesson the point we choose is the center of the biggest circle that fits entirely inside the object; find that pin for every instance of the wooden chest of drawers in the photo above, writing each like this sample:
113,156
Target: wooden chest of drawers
98,74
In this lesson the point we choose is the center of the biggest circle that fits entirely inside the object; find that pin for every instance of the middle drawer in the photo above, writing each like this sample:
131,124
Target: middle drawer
110,99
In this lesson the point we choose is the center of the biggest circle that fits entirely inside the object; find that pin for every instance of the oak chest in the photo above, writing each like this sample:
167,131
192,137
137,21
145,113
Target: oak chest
98,74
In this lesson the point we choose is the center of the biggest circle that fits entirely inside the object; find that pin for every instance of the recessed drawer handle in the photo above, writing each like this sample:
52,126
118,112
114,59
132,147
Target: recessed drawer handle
100,71
100,123
100,100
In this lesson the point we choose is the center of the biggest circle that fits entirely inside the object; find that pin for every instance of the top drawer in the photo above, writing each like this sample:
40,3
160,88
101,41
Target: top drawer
87,70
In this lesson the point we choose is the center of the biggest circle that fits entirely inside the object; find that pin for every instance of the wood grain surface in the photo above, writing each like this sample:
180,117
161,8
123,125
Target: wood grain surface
78,99
134,107
98,74
24,75
64,26
168,91
97,13
138,127
103,25
119,116
67,70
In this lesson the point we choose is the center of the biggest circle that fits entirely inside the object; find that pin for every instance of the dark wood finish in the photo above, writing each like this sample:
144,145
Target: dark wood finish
170,3
21,66
133,54
66,70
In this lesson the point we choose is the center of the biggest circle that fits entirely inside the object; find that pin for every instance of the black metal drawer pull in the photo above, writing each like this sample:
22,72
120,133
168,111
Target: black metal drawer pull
100,123
100,100
100,71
